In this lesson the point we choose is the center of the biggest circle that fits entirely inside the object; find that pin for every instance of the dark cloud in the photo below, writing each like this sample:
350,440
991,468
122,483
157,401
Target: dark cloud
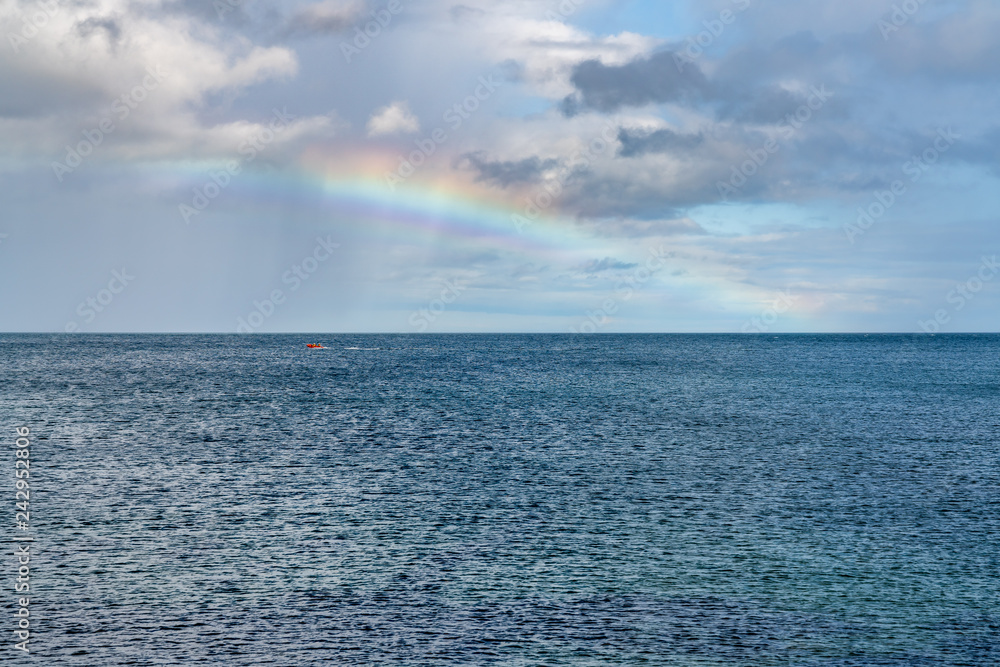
744,86
606,264
505,173
620,195
109,26
764,107
640,142
656,79
323,18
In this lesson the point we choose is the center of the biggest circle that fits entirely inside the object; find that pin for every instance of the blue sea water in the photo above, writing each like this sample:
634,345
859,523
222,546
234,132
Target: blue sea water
508,500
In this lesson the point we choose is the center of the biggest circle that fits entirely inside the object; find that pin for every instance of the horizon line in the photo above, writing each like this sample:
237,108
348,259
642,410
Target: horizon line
499,333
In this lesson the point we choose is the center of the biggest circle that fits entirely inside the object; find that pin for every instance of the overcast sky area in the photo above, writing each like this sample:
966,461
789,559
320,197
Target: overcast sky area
510,166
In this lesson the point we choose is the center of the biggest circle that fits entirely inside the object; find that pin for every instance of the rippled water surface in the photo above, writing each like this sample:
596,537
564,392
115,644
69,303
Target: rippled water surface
508,500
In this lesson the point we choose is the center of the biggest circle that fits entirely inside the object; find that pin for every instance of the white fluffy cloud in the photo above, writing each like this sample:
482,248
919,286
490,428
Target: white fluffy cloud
152,74
393,119
542,41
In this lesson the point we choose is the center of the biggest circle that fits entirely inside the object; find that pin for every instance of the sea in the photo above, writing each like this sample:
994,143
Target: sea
689,500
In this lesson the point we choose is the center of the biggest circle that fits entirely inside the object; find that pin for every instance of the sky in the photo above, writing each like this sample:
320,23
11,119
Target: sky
584,166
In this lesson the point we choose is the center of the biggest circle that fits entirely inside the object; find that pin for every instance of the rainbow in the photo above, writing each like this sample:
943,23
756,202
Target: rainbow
435,208
425,209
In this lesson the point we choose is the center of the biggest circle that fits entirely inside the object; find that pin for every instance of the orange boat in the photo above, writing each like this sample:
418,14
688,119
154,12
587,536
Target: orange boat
315,346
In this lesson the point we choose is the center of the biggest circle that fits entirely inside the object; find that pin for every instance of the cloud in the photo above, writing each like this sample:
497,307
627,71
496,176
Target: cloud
323,18
640,142
506,172
108,25
764,106
197,61
531,37
606,264
393,119
739,90
647,80
165,67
